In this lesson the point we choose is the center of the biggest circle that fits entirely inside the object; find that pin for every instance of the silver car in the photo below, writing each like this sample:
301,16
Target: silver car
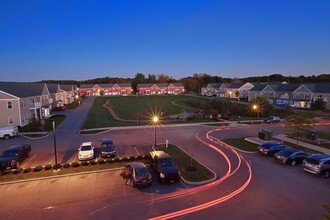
317,164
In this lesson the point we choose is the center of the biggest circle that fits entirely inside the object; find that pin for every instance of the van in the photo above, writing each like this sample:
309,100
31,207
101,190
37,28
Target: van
7,132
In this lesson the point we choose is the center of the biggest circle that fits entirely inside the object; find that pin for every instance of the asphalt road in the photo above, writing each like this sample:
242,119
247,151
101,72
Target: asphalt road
276,191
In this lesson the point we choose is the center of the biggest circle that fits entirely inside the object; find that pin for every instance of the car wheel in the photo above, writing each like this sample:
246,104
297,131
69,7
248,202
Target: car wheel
7,136
293,163
327,174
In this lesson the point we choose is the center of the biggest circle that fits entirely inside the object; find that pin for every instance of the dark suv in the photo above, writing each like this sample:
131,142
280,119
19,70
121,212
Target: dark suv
164,166
317,164
291,156
270,148
13,156
108,148
272,119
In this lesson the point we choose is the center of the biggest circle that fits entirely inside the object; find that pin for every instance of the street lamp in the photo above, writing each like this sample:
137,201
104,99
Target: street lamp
256,109
54,132
155,120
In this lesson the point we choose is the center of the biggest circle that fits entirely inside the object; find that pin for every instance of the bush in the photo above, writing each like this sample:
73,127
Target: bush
147,156
17,171
57,166
140,157
110,160
124,159
5,172
116,160
132,158
92,162
75,164
66,165
101,161
38,168
84,163
48,167
27,170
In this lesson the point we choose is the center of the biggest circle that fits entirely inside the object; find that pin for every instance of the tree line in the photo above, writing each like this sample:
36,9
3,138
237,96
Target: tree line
195,82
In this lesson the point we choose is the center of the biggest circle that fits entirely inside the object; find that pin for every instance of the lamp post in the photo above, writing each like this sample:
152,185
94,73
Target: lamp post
155,121
256,110
54,132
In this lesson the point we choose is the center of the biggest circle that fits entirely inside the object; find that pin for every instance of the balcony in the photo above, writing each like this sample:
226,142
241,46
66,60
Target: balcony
35,105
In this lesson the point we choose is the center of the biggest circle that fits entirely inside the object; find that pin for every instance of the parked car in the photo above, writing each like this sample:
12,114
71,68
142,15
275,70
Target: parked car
136,174
14,155
59,108
317,164
270,148
291,156
86,151
164,166
7,132
272,119
108,149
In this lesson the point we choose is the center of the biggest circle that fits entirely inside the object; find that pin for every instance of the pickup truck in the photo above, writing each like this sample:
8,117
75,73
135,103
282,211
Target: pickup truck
13,156
164,167
7,132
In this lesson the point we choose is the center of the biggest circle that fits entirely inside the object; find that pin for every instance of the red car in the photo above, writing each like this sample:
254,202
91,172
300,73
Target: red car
59,108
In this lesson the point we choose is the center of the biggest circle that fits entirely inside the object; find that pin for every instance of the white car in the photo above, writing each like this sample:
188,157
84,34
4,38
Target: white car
86,151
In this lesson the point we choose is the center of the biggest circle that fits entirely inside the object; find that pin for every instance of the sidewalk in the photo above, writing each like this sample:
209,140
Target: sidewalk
283,137
303,144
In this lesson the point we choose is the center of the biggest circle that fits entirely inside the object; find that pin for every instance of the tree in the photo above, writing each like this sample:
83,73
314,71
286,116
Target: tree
151,78
138,79
222,105
318,105
163,78
299,125
263,106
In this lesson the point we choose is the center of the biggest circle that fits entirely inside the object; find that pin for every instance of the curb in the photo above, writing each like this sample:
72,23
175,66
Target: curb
195,183
36,138
59,176
102,132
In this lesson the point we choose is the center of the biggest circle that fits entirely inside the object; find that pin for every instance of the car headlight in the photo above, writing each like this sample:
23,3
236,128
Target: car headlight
162,175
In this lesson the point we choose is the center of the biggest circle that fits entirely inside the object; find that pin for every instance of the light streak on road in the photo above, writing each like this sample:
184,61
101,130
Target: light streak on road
207,186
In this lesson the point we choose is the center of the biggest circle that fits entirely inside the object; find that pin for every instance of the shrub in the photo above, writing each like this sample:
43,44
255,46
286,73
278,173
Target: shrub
110,160
57,166
66,165
92,162
147,156
26,170
38,168
101,161
5,172
75,164
17,171
48,167
140,157
84,163
116,160
132,158
124,159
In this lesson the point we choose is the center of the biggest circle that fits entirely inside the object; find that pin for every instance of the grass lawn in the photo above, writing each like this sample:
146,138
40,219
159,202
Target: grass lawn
48,124
183,161
138,109
72,105
10,176
242,144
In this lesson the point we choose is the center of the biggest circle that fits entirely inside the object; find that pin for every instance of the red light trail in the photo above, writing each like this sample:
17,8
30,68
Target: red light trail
213,184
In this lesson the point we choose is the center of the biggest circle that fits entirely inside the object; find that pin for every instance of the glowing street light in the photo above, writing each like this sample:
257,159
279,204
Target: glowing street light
155,120
256,109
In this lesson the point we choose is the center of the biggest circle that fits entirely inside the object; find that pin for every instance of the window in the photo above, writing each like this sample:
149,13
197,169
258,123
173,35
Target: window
10,120
9,105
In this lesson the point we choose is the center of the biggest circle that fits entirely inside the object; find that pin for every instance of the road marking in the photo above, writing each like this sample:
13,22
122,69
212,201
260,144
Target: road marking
29,160
136,150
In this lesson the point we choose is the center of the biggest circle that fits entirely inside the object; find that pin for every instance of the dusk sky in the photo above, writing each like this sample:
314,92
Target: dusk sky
78,40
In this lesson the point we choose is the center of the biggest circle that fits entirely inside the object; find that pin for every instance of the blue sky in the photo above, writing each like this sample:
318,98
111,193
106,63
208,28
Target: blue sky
66,39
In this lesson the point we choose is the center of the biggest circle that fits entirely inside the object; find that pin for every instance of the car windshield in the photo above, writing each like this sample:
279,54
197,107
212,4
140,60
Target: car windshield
86,148
166,162
268,145
286,153
9,153
108,145
141,171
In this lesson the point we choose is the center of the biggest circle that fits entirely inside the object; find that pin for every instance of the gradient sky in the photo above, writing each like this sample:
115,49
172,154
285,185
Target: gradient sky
66,39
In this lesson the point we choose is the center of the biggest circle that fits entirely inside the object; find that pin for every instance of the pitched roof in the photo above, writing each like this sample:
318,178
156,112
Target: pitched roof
147,85
109,85
318,87
213,85
22,90
234,85
287,87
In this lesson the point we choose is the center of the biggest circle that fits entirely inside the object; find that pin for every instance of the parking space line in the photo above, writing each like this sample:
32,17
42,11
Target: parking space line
29,160
136,150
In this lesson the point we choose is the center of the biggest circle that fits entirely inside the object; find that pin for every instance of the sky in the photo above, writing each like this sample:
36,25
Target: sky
79,40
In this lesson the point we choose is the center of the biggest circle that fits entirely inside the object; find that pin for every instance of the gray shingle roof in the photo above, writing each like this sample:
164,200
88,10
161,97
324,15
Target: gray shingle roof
22,90
109,85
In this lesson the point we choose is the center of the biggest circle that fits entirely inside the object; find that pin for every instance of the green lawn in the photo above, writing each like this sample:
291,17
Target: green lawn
138,109
183,161
242,144
48,124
